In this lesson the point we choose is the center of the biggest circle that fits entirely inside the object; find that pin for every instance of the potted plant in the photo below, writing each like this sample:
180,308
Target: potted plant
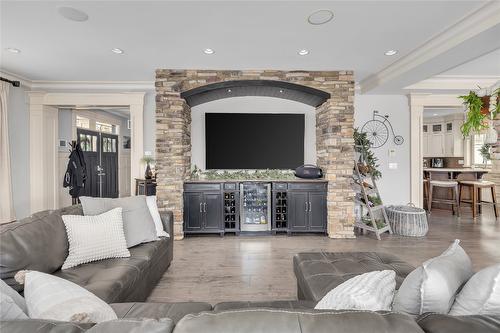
362,146
485,152
148,174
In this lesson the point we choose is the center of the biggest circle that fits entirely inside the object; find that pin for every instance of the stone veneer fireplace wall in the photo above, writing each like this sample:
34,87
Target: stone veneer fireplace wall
334,136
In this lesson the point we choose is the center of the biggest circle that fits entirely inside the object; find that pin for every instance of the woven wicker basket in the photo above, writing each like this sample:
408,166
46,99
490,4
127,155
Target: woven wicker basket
408,220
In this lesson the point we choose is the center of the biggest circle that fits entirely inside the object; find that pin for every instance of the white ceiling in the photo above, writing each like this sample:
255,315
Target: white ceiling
244,35
486,65
430,113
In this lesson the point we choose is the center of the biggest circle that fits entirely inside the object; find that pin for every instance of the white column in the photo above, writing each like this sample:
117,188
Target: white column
137,135
416,150
43,133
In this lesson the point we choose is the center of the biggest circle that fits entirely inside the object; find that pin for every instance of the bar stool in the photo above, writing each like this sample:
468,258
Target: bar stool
452,185
475,189
426,192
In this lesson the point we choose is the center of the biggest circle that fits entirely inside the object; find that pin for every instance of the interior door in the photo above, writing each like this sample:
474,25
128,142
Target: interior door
109,165
193,211
212,208
317,211
298,208
89,141
100,151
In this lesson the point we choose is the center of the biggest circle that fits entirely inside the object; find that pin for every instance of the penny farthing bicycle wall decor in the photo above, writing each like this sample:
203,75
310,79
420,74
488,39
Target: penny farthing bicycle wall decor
379,129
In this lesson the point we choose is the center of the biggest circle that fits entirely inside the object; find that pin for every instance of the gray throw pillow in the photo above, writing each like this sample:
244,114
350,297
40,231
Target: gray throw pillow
138,223
480,295
432,286
12,305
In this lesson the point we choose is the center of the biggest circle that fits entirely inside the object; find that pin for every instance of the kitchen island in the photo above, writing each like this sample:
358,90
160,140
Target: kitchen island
454,173
449,174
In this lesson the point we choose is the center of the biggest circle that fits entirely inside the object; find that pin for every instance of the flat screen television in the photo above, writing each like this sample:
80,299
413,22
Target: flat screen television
254,140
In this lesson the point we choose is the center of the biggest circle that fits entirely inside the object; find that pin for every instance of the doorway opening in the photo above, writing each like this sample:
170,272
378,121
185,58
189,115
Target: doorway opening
104,136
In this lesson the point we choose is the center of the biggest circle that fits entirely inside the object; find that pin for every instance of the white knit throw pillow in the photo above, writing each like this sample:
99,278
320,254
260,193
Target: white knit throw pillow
94,238
371,291
52,298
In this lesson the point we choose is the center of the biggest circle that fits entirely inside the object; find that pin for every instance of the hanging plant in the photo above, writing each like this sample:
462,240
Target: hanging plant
362,146
475,120
479,110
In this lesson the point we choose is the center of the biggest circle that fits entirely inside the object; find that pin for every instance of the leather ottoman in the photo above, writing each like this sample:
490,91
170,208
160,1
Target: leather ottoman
319,272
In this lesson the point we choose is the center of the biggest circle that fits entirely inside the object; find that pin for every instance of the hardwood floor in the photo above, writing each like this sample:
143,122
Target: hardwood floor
215,269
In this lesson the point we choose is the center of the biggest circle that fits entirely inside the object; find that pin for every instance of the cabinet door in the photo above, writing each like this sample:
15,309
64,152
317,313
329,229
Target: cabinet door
436,145
193,211
449,143
213,211
425,145
298,207
317,211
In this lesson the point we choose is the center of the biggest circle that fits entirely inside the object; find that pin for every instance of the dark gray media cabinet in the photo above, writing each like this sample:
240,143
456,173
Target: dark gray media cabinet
214,206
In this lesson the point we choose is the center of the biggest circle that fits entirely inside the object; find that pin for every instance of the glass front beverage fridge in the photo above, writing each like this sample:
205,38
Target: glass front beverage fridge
255,206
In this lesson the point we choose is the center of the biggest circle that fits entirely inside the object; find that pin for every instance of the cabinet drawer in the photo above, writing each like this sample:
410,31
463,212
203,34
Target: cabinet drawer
308,186
280,186
201,187
230,186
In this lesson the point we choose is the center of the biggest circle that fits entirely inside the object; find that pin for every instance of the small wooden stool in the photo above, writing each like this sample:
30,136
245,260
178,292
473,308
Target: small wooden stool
452,185
475,187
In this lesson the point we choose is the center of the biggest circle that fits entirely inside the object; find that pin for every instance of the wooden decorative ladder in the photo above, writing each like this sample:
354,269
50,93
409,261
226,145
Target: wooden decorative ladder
364,189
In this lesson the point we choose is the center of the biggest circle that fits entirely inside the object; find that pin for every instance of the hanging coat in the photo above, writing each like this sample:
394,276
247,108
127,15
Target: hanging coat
76,172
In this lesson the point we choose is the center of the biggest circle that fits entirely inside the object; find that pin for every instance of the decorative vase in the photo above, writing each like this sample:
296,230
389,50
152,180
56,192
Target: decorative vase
148,174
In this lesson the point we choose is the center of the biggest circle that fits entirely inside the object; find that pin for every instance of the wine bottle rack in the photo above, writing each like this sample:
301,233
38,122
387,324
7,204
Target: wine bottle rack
281,210
230,215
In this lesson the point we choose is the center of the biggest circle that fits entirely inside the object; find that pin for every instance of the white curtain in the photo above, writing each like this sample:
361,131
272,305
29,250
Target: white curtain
6,207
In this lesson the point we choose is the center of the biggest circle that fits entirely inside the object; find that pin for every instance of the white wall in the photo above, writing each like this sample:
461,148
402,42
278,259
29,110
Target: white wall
18,120
394,185
149,124
250,104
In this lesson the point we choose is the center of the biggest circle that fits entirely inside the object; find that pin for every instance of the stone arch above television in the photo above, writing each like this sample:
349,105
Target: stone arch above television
270,88
334,128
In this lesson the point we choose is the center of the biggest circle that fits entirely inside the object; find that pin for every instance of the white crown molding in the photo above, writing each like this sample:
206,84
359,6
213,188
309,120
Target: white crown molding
486,17
93,85
454,82
79,85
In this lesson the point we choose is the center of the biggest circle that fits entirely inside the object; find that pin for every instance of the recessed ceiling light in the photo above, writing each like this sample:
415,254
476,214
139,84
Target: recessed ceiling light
13,50
281,91
321,16
117,50
208,51
435,114
73,14
229,90
303,52
391,52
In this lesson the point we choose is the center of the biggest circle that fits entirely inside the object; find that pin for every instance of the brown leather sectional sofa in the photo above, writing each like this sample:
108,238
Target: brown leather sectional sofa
39,243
